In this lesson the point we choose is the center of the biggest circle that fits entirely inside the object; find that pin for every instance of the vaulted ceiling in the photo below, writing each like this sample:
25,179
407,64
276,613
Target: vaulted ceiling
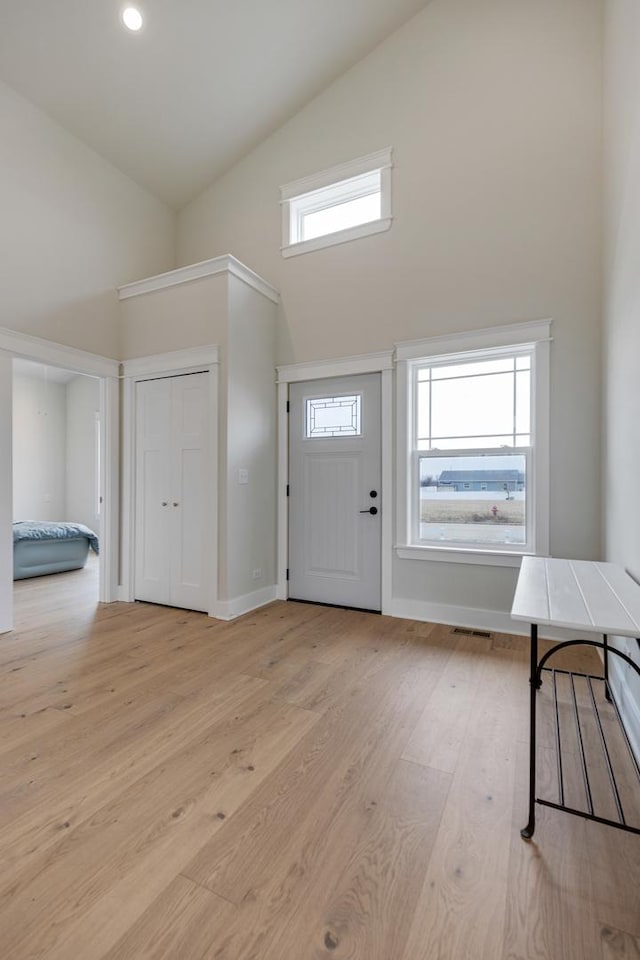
176,104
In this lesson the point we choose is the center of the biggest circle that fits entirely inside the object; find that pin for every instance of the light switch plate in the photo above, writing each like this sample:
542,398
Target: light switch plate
243,476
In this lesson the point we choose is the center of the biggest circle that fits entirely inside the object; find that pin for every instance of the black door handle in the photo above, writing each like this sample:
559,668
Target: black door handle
371,510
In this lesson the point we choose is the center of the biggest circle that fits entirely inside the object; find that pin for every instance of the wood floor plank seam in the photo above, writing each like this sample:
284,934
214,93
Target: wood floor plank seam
203,886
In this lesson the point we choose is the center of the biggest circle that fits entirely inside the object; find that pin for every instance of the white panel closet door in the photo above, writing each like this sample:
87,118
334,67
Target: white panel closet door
153,491
190,459
172,473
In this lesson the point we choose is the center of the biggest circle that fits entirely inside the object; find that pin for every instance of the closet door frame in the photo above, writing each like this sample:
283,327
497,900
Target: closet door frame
176,363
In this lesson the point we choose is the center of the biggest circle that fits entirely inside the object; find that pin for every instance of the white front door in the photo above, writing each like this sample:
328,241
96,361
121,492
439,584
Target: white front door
334,491
172,467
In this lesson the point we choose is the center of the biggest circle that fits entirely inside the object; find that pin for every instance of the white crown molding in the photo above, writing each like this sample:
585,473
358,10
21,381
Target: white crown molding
336,367
56,354
342,171
175,361
197,271
243,272
502,335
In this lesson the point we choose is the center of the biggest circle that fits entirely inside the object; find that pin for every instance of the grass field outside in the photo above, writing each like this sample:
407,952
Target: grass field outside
480,518
494,511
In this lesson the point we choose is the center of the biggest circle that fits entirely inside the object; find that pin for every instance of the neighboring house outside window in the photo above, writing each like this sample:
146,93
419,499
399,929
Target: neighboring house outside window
474,472
344,203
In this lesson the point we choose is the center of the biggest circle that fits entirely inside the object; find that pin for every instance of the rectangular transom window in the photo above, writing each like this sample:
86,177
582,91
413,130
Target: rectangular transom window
333,417
475,468
340,204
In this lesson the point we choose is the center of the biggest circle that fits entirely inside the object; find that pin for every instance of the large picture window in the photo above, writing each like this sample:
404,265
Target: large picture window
471,476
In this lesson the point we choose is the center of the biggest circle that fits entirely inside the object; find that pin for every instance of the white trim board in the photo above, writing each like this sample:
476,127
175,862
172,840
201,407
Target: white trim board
456,555
282,500
231,609
54,354
386,423
6,494
507,335
359,232
110,482
164,364
336,367
197,271
380,160
475,618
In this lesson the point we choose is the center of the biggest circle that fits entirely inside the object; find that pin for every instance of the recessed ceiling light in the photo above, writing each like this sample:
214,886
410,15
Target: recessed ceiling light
132,18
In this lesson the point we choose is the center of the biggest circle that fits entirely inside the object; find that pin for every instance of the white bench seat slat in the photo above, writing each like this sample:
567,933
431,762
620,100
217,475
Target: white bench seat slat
578,594
531,600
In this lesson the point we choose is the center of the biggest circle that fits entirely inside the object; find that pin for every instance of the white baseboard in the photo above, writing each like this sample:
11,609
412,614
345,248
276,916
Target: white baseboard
224,609
627,705
230,609
472,617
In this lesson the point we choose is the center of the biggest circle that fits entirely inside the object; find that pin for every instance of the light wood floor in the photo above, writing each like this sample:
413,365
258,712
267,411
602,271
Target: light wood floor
303,783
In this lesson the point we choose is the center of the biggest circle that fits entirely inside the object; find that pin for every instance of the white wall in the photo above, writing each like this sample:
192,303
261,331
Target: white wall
493,110
54,452
72,228
622,312
249,521
192,314
81,466
6,539
39,448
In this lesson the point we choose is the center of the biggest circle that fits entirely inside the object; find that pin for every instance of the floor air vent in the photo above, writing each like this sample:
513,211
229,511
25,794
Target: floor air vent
471,633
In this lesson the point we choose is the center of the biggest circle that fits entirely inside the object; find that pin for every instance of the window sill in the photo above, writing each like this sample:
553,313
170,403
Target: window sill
342,236
491,558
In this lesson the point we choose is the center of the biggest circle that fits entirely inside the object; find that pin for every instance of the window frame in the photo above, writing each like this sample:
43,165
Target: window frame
314,193
532,338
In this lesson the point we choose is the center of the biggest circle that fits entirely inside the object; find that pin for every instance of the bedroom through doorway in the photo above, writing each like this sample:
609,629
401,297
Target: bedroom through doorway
57,500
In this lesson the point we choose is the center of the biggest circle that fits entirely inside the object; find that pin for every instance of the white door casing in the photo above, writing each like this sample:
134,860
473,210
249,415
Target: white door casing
335,491
16,344
172,468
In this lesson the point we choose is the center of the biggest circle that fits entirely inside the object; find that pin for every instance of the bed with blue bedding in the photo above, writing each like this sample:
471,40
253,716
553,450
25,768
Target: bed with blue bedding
42,547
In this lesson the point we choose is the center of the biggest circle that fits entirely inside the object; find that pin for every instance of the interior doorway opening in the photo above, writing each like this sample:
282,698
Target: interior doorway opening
57,484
